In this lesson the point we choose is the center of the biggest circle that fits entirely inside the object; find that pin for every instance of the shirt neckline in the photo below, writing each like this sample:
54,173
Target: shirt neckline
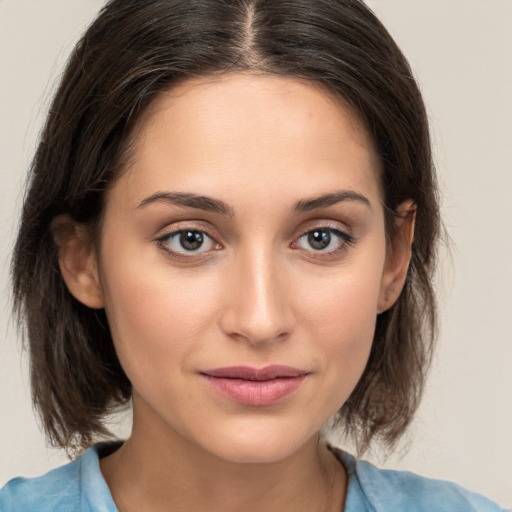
96,493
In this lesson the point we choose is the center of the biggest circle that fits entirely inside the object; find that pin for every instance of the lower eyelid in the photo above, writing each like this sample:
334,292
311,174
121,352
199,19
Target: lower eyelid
345,239
164,241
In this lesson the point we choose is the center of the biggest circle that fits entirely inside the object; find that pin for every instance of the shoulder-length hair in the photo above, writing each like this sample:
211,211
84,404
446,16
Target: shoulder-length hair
136,49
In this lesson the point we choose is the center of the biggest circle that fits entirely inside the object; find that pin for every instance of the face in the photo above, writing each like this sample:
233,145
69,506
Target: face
242,264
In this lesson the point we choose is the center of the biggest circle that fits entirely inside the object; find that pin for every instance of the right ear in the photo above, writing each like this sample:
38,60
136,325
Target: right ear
77,260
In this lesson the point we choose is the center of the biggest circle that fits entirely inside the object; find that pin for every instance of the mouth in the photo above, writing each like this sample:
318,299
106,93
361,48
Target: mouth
256,387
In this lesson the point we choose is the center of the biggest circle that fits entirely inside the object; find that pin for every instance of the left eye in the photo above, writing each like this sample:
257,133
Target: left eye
323,239
187,241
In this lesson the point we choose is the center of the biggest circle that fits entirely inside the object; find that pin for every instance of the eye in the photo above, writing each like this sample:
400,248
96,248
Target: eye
187,242
324,240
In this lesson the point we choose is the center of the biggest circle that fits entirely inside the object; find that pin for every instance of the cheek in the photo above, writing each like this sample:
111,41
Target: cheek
344,302
349,324
157,316
342,317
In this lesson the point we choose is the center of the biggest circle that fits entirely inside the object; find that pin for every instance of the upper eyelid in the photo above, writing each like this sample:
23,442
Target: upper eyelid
344,234
326,224
177,227
174,232
178,255
191,225
206,228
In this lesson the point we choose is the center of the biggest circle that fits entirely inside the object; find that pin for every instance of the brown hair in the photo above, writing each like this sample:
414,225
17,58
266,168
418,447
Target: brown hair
138,48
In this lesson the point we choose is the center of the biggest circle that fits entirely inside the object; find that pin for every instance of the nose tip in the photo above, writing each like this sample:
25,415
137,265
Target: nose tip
255,330
258,309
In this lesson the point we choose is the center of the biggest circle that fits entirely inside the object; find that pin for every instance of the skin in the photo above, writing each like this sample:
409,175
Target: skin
255,293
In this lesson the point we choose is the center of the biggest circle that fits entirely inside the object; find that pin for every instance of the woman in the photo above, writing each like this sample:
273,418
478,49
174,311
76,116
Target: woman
232,221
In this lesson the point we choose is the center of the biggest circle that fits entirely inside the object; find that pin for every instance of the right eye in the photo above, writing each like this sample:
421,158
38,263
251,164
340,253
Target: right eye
187,242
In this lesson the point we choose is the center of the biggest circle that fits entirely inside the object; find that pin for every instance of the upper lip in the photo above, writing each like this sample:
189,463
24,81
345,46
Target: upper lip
256,374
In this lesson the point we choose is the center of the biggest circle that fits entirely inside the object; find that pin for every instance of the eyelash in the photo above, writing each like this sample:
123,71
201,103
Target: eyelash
345,240
164,243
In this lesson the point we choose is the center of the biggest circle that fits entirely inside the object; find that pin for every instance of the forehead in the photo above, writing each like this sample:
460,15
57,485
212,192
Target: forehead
244,130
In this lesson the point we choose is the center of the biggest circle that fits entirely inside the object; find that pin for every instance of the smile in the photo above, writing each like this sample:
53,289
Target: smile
255,387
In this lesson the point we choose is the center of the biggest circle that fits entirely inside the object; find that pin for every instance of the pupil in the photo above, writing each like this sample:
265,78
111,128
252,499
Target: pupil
191,240
319,239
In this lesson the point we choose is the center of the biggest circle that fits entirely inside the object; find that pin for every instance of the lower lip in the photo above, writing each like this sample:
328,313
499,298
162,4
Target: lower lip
255,393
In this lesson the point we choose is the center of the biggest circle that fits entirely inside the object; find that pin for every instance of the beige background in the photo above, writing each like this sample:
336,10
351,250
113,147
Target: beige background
461,51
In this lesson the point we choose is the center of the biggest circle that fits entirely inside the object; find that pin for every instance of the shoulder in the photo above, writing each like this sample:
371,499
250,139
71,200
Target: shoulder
397,491
402,490
57,490
74,487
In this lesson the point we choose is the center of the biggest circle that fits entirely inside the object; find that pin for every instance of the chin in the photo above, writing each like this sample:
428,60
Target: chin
259,446
257,453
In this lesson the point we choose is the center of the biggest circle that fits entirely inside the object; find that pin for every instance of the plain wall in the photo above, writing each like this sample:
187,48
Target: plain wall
461,51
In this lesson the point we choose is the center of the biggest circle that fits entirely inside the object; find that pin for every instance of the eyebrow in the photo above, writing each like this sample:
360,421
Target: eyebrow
209,204
325,200
189,200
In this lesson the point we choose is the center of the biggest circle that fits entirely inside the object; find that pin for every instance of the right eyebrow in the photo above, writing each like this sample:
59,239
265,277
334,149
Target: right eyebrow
189,200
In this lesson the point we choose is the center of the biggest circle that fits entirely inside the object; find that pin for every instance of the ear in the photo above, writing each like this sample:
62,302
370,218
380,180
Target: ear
77,260
398,256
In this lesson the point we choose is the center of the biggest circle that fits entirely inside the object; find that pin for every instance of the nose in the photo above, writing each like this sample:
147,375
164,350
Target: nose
257,303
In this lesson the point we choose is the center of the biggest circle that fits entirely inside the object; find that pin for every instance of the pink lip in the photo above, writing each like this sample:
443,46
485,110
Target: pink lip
253,386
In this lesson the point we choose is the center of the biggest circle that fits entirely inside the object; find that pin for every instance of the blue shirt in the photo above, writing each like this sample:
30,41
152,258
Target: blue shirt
79,487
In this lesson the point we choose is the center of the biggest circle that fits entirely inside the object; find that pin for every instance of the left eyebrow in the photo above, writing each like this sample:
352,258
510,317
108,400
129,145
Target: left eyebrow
325,200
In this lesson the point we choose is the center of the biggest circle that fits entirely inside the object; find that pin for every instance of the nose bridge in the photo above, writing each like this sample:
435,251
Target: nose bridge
258,308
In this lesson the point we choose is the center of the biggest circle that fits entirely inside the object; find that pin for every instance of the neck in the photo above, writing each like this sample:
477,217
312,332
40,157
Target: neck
161,471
